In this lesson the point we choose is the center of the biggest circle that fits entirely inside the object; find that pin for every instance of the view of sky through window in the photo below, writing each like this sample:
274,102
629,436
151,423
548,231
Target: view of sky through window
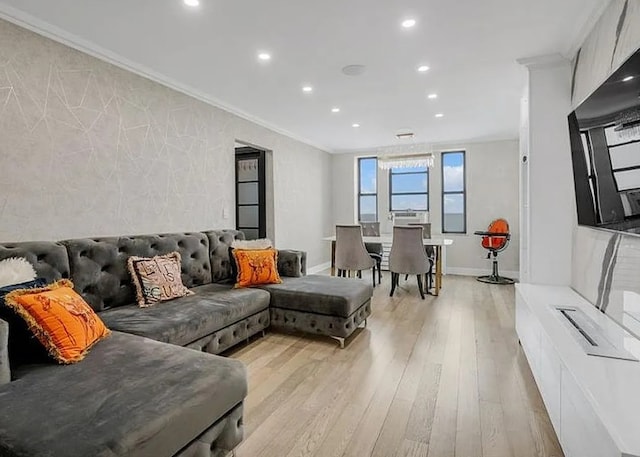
453,189
368,189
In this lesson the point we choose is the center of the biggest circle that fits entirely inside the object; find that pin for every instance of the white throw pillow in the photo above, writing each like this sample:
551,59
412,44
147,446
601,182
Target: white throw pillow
264,243
16,270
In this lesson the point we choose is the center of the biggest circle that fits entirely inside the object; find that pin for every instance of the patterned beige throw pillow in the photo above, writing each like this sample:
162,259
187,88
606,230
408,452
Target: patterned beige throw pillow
157,279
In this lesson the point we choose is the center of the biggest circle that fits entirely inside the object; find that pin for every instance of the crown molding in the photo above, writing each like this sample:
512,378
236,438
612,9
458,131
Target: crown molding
29,22
429,147
544,61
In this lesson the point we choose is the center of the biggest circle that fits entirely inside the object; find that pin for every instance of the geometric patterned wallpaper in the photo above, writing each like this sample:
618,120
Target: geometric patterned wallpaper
89,149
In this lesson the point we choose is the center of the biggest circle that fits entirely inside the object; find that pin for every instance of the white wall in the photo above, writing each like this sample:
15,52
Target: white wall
90,149
548,207
492,192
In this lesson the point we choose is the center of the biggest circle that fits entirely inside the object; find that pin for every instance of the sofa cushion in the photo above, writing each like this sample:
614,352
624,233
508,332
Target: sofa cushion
184,320
99,265
256,267
49,258
157,278
61,320
320,295
219,243
131,396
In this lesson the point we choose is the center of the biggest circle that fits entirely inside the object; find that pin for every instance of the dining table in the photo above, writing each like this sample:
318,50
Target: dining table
438,244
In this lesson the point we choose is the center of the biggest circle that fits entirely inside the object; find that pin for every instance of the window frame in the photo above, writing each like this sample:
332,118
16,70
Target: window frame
456,192
392,194
366,194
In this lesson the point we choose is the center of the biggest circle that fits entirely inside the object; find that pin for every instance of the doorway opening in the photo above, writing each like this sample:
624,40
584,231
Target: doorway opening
252,191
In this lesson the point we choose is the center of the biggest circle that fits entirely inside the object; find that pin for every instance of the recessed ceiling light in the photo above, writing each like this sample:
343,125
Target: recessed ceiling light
439,115
423,68
432,96
408,23
355,126
627,79
307,89
264,56
335,110
192,2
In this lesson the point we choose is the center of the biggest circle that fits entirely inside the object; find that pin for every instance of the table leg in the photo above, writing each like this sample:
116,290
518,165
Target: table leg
438,269
333,258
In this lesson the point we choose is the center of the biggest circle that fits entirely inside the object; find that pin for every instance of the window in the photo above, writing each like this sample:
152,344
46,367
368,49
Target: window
409,189
367,189
454,199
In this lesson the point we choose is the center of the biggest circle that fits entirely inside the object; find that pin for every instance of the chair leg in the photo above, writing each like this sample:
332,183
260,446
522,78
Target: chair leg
379,272
373,276
359,274
406,277
393,283
420,286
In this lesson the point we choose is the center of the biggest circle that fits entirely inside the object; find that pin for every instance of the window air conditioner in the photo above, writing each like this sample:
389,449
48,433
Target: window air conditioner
410,217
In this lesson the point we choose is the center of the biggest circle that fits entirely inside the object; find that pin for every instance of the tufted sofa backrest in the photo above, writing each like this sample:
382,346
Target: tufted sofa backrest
219,244
99,265
49,258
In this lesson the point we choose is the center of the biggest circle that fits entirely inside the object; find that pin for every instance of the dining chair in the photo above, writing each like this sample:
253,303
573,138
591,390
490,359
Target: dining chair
431,252
374,249
407,256
350,253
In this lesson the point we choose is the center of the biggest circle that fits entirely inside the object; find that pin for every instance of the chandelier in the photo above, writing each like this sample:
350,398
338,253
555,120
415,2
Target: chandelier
406,161
628,124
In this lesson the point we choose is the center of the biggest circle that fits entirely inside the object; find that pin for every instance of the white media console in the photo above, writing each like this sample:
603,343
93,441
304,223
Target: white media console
593,400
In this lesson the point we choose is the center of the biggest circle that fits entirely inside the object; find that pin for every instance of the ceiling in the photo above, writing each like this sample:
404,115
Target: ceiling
471,47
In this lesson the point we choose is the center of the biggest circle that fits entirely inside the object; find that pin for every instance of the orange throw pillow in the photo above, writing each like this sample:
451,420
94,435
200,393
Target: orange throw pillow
61,320
256,267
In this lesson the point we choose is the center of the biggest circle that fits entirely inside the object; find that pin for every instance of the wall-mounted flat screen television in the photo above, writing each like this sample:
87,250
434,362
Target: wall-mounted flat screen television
605,148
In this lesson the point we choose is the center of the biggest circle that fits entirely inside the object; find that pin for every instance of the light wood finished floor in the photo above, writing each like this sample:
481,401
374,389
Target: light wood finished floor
440,377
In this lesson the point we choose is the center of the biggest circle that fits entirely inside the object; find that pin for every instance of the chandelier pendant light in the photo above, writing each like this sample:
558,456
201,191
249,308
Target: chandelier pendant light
388,162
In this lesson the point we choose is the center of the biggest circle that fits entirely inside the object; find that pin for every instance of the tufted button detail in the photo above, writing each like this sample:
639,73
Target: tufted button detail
83,253
105,268
154,246
180,244
41,257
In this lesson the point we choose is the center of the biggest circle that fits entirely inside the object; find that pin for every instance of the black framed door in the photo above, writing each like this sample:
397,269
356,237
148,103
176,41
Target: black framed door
251,217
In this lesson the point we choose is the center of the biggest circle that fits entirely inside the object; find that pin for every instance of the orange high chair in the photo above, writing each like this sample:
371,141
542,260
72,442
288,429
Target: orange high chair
495,239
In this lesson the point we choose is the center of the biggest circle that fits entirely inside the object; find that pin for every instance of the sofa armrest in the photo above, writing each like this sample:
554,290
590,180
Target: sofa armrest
292,264
5,370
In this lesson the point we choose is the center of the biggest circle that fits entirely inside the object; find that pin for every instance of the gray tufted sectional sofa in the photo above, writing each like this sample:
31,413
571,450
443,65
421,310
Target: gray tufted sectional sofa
145,391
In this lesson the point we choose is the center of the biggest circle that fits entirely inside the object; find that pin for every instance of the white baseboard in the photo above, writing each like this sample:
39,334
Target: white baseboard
450,271
318,268
479,272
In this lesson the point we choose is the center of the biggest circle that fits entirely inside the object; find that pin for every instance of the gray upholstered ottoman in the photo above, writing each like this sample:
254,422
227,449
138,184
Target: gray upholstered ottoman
322,305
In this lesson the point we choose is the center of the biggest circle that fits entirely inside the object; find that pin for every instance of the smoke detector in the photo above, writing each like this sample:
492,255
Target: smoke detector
354,70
